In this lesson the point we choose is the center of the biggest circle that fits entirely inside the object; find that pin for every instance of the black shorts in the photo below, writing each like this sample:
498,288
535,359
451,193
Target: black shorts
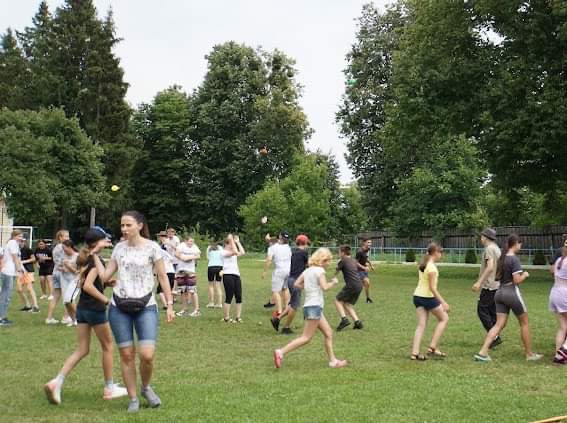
213,273
171,278
46,272
349,294
428,303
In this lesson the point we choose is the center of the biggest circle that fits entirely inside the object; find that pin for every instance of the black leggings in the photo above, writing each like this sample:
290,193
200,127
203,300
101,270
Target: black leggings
232,288
171,278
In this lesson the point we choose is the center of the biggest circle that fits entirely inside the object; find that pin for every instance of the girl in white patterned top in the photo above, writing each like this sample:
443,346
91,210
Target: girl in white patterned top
133,304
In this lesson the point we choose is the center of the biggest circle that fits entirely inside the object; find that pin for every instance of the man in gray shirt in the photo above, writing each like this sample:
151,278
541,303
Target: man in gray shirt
487,283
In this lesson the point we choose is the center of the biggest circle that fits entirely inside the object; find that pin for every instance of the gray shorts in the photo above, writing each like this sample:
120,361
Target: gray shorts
295,293
509,298
279,281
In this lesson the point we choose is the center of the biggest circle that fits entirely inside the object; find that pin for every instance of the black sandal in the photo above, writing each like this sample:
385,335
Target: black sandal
418,357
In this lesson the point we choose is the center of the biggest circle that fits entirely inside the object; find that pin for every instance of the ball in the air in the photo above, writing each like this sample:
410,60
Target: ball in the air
264,220
114,188
263,151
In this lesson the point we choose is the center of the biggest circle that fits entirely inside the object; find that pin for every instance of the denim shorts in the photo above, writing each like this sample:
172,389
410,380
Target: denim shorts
295,293
91,317
428,303
362,275
145,323
312,312
56,280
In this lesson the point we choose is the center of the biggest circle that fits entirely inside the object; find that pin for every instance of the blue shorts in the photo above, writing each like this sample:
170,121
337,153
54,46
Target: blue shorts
145,323
91,317
294,293
363,275
56,280
312,312
428,303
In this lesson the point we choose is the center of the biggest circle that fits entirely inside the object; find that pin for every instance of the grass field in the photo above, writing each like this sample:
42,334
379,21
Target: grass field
210,371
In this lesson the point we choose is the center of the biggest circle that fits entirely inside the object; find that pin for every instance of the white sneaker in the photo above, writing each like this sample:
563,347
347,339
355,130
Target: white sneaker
210,305
72,323
66,320
50,298
218,305
116,391
51,321
43,297
196,313
53,392
181,313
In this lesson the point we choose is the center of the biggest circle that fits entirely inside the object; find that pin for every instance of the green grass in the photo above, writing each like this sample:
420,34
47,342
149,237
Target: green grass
210,371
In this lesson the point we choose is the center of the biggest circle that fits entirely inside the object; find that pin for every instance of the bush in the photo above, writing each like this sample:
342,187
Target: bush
410,256
539,258
470,257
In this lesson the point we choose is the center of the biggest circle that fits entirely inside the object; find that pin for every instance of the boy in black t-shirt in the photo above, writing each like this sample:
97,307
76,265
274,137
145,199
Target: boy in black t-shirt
364,265
348,296
24,286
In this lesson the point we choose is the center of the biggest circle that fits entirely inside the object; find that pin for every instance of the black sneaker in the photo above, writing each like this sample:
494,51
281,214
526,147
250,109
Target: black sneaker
275,323
358,324
368,300
26,308
343,324
5,322
34,310
287,331
269,304
497,341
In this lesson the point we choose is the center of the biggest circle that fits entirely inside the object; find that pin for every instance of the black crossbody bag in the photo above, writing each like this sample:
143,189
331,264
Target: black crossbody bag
132,305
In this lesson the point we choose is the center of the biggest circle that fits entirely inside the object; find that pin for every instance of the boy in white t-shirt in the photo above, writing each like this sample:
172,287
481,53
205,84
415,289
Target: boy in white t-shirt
188,253
280,255
11,268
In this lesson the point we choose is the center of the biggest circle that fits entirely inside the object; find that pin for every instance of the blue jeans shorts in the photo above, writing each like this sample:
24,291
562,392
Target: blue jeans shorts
362,275
312,312
56,280
145,323
428,303
91,317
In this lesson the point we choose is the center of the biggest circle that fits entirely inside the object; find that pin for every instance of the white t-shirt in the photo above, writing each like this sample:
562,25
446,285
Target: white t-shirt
58,255
184,249
229,263
171,246
167,260
8,265
281,256
136,269
313,291
71,260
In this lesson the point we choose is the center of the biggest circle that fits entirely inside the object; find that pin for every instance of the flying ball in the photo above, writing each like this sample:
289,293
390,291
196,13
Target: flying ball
264,220
114,188
263,151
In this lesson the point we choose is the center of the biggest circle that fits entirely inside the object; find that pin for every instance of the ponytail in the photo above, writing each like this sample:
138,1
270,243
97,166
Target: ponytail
431,249
85,263
69,244
139,218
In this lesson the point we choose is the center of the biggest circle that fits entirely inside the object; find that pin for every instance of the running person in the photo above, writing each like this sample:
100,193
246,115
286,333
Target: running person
26,279
314,282
348,296
299,260
558,305
487,283
280,255
187,254
231,277
427,299
133,306
214,275
508,297
11,269
270,241
364,266
91,315
44,257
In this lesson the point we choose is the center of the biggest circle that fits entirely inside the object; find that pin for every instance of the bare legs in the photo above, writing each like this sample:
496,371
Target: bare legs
561,331
309,330
422,317
501,320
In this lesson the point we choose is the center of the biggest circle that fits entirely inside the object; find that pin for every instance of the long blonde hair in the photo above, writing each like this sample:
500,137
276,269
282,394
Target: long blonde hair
320,256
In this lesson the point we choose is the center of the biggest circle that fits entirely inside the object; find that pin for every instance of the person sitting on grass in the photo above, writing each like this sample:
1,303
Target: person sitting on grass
314,282
508,297
348,296
91,315
427,299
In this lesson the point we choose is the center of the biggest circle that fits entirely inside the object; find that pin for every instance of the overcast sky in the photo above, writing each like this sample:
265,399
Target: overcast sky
164,43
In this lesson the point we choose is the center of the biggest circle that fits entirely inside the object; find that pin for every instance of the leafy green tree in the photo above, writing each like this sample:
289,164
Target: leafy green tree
441,193
50,169
163,171
350,217
248,101
299,203
14,75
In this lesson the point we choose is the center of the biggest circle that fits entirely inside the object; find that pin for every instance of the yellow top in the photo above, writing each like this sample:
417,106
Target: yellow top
423,289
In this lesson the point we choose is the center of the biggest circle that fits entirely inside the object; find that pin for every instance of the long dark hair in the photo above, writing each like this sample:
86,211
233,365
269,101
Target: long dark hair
511,242
70,244
139,218
431,249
